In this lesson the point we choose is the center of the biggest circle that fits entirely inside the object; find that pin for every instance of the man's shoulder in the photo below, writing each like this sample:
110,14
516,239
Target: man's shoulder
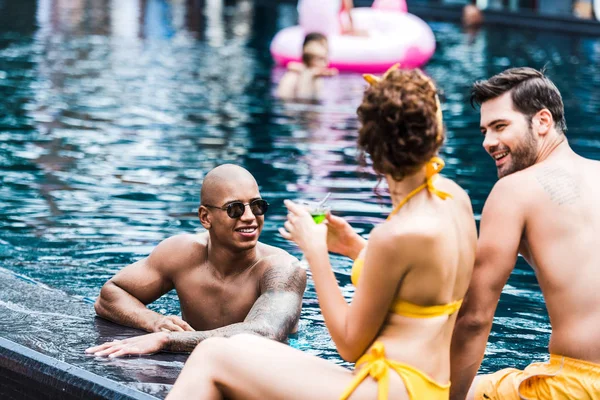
271,255
185,241
280,270
513,196
179,250
516,185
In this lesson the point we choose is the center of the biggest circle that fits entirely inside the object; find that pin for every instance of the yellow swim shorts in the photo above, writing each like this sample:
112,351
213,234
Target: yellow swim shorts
559,378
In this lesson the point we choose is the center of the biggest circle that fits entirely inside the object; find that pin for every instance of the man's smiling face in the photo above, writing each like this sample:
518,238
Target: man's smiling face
508,135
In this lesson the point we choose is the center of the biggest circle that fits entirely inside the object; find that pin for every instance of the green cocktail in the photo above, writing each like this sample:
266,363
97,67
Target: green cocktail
318,218
317,210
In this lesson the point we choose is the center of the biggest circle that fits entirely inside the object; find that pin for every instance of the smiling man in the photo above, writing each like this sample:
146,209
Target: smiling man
227,281
544,207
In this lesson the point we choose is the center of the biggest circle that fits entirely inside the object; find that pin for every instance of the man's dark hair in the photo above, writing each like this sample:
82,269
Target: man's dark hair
314,37
531,91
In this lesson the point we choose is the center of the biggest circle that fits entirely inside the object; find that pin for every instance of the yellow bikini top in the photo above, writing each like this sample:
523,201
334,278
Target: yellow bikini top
401,307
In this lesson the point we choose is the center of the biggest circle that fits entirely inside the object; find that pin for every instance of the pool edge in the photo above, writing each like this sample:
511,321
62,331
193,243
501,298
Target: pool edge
44,374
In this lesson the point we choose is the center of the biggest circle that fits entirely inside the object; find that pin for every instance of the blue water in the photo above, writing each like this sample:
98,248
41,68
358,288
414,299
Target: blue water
111,112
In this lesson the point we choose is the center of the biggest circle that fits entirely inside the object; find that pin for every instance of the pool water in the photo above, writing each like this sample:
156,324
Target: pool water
111,112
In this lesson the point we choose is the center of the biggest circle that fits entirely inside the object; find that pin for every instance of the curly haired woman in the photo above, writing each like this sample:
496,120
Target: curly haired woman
410,276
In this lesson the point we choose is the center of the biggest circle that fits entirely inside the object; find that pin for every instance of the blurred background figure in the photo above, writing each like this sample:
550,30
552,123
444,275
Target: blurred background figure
391,5
302,81
472,17
333,17
346,22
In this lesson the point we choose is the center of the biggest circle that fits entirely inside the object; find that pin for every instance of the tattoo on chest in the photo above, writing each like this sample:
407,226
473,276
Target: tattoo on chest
561,186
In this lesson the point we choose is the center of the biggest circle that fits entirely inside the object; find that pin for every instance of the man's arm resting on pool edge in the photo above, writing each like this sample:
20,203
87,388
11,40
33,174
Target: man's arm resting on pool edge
274,315
124,297
497,249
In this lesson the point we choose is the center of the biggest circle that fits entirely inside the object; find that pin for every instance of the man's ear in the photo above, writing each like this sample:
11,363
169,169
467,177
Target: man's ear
543,121
204,217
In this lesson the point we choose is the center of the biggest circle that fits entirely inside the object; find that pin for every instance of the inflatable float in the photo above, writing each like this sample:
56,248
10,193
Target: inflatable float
394,36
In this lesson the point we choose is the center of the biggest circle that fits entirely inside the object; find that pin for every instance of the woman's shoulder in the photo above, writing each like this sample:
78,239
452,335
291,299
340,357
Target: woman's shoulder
459,195
416,230
450,186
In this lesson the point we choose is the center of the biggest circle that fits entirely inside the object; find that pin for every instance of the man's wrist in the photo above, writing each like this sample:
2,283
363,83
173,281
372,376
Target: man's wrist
168,340
151,319
183,342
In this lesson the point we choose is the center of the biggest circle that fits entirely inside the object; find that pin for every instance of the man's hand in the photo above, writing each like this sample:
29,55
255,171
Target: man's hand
145,344
171,323
342,239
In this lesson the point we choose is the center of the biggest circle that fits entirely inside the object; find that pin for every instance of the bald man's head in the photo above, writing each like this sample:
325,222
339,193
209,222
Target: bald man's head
226,183
222,187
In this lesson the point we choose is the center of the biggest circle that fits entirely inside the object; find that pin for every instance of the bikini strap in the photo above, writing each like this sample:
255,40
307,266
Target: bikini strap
432,169
377,366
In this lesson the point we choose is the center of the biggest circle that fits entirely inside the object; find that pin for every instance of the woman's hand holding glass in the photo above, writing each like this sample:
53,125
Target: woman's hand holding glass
303,230
342,239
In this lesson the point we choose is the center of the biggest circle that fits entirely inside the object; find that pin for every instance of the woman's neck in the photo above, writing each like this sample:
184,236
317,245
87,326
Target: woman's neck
400,189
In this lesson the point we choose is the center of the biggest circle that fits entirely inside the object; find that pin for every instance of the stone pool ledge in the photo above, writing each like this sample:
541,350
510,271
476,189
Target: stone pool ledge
43,335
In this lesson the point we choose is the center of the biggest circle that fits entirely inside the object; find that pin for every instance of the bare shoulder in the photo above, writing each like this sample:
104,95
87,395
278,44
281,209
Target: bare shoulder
514,188
178,252
458,193
295,66
418,232
565,180
272,255
280,270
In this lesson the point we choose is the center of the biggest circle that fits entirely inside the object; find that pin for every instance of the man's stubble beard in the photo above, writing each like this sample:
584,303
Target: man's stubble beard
522,156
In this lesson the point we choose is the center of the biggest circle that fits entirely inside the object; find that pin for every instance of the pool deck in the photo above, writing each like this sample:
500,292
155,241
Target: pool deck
43,335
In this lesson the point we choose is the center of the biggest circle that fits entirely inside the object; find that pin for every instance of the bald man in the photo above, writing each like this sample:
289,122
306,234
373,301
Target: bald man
227,281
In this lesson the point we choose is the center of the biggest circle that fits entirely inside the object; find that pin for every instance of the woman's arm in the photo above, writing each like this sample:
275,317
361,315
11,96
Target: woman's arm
353,327
342,239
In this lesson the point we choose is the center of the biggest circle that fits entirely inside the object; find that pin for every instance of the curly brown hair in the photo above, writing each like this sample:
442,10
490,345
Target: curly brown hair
401,123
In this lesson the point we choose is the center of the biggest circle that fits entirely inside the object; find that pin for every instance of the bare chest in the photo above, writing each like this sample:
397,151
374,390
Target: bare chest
210,303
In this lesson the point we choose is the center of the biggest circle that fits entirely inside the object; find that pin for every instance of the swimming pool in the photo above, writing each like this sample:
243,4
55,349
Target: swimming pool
111,112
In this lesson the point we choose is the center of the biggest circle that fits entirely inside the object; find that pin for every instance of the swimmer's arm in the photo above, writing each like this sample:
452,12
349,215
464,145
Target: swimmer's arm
287,85
354,327
295,66
501,228
274,315
124,297
348,5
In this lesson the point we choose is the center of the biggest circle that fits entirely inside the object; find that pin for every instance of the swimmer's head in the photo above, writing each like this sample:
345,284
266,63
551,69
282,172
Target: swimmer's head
520,108
315,51
223,189
401,123
472,17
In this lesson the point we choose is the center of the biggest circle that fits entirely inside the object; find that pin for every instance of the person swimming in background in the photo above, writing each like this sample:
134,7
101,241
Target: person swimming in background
410,277
302,81
331,17
347,23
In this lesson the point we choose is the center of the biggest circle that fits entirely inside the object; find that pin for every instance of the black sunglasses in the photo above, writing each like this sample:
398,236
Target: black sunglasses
236,209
